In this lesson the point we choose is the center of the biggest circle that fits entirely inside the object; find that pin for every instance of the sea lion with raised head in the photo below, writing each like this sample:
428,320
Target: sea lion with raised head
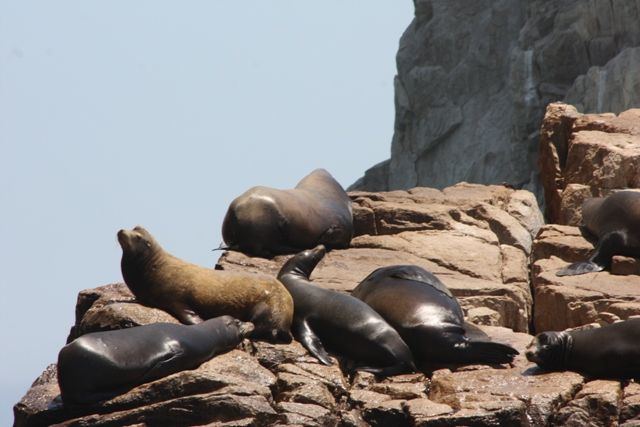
101,365
429,318
343,324
615,221
266,221
192,293
612,351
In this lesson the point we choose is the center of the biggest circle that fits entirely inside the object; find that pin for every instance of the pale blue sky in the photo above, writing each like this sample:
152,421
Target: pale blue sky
119,113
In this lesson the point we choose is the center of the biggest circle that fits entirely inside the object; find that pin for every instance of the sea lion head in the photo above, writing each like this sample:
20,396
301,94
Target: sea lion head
137,242
244,328
549,350
303,263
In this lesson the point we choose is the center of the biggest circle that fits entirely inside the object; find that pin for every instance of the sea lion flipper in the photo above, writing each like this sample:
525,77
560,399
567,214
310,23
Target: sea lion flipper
400,368
474,333
608,245
311,342
580,267
185,314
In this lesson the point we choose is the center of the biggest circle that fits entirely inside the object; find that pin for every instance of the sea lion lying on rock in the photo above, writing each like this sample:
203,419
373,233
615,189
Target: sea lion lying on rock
429,318
266,221
615,221
101,365
612,351
342,323
192,293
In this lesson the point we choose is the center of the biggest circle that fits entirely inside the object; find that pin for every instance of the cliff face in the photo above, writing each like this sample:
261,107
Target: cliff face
475,76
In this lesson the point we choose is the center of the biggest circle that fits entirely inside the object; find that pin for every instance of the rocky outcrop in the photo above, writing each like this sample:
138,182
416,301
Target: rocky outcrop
474,78
476,238
584,156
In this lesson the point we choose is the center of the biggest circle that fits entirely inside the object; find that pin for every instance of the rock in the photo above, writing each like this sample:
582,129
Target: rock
475,238
571,301
597,404
584,156
480,89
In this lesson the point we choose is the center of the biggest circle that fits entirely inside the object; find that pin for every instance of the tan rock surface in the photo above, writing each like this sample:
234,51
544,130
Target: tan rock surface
583,156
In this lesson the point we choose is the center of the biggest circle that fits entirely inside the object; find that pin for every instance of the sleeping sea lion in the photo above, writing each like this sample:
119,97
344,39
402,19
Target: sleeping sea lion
615,221
266,221
101,365
192,293
345,325
612,351
429,318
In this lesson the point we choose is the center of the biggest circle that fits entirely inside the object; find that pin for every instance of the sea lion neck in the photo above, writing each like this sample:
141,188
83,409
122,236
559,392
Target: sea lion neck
137,265
302,264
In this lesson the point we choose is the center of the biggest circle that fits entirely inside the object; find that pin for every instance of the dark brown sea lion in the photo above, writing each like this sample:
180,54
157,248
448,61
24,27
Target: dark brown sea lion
345,325
101,365
612,351
266,221
192,293
429,318
615,221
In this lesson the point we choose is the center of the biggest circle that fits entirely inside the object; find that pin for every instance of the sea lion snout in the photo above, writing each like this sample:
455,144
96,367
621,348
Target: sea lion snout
319,251
244,328
124,238
533,351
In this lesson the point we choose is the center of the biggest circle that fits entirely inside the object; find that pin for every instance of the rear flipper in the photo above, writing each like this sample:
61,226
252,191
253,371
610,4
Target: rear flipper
486,352
400,368
610,244
580,267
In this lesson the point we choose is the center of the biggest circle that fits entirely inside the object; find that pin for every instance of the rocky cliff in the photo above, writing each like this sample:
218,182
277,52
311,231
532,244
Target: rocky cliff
474,78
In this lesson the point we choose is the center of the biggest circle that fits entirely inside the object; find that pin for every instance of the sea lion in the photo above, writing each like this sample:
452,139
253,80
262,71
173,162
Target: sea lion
612,351
192,293
615,221
429,318
266,221
345,325
101,365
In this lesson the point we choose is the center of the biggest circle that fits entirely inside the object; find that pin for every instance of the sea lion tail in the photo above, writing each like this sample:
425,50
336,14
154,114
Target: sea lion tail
492,353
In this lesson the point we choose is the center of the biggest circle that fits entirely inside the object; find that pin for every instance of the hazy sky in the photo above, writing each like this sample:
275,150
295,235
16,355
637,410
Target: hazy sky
119,113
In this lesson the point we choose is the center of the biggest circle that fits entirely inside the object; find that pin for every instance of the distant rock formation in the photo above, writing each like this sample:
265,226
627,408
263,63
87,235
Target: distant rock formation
475,76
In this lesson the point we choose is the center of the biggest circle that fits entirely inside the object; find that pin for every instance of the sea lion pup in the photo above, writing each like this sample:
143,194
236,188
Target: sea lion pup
429,318
615,221
343,324
192,293
102,365
612,351
266,221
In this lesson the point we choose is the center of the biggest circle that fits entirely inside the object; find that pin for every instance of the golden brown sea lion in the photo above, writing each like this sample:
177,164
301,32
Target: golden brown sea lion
192,293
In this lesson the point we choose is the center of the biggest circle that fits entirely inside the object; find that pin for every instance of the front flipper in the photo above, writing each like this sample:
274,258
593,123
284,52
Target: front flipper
608,245
185,314
310,341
